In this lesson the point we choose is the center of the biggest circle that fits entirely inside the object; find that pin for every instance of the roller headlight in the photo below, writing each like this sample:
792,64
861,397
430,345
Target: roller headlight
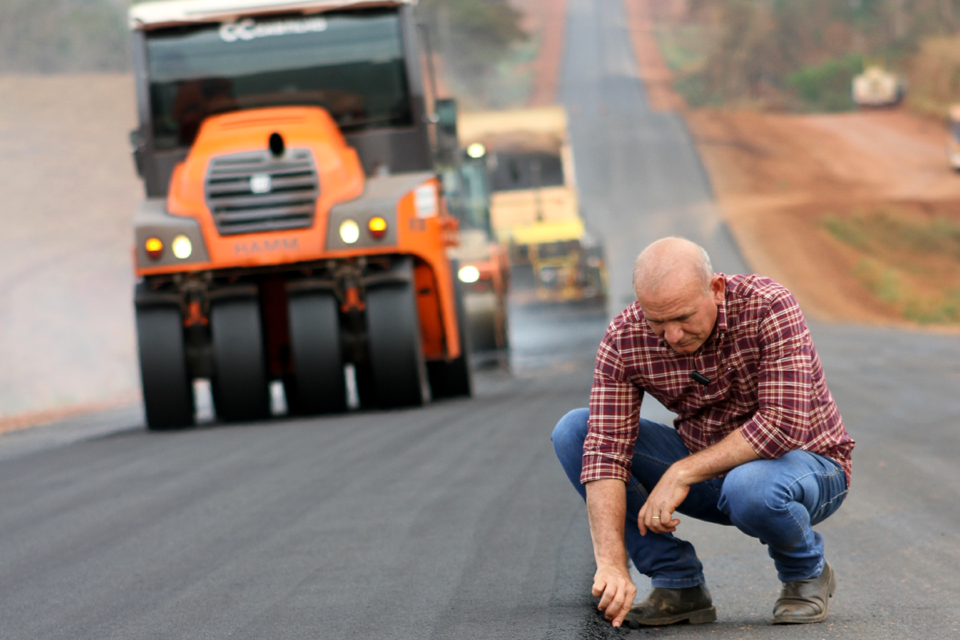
476,150
349,231
154,248
182,247
469,274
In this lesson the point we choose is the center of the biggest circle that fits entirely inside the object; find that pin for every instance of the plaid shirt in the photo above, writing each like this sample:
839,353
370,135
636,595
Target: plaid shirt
765,379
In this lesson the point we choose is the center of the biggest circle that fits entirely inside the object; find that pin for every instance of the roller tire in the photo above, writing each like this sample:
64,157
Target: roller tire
366,391
239,384
318,385
393,336
483,331
454,378
167,388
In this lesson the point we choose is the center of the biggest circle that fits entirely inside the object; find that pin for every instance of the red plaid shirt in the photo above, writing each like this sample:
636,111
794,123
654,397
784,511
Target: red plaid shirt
765,379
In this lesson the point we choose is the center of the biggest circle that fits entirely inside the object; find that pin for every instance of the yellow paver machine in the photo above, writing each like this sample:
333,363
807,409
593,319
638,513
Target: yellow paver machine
535,209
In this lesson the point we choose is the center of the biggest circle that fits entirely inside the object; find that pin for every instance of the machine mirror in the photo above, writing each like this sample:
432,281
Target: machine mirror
137,145
447,117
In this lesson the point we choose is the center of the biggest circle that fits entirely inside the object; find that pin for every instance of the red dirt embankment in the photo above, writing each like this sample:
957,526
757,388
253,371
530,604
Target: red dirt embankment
779,176
545,20
656,75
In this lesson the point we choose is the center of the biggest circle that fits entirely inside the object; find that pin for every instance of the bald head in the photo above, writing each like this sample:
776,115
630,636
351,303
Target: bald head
671,263
678,292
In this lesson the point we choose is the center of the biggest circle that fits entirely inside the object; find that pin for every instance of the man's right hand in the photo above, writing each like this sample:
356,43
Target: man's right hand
616,591
607,508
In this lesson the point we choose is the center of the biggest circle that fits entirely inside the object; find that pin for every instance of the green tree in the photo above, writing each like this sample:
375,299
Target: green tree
801,53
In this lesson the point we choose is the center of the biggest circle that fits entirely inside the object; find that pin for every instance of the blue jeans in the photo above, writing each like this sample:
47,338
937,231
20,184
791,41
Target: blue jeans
776,501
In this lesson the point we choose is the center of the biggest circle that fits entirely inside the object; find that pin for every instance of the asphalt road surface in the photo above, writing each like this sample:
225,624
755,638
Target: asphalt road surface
455,521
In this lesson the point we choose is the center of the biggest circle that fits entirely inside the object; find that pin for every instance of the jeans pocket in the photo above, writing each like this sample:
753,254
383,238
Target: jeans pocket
637,489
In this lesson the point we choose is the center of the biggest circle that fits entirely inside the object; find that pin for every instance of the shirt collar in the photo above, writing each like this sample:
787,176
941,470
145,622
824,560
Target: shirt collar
722,308
720,326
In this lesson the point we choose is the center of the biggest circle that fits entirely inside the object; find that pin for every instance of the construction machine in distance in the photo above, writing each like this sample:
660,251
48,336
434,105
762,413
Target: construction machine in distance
294,227
535,208
484,266
876,87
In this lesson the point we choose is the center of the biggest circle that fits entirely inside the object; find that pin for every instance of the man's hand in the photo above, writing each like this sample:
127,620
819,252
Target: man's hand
607,508
612,584
657,512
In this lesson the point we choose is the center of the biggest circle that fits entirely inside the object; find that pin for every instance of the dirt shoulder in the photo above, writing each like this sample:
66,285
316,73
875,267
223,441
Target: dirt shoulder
857,213
545,20
780,178
656,75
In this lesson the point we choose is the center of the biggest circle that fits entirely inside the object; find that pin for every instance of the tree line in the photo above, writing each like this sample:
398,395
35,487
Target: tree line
73,36
802,54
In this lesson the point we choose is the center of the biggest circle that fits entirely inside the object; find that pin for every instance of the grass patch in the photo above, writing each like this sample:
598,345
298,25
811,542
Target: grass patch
847,230
685,49
693,89
909,261
827,87
889,231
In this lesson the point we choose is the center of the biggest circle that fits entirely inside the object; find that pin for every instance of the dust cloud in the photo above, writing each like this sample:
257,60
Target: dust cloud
68,191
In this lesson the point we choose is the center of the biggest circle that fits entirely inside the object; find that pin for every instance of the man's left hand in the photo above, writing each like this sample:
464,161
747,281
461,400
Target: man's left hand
657,512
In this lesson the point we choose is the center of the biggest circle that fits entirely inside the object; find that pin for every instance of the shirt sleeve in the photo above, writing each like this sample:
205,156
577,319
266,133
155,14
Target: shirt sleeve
785,385
614,411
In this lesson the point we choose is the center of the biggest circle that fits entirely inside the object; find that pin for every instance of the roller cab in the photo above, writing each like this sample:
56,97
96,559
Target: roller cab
484,265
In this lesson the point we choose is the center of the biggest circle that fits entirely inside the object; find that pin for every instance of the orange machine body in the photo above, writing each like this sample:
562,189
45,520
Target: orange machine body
494,277
414,229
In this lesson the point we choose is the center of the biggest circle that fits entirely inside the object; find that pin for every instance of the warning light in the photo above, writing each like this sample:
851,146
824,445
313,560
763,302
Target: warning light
154,248
378,227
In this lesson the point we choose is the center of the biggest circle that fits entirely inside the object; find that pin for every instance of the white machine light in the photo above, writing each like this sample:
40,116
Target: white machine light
476,150
182,247
425,200
261,183
349,231
469,274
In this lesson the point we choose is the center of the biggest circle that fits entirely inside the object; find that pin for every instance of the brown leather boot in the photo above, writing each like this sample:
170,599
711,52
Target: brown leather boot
807,600
670,606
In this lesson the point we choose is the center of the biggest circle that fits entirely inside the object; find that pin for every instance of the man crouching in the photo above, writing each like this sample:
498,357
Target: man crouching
758,442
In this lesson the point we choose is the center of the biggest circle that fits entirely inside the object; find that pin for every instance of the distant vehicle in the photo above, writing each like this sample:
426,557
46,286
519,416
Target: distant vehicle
535,208
876,87
294,222
484,266
953,137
